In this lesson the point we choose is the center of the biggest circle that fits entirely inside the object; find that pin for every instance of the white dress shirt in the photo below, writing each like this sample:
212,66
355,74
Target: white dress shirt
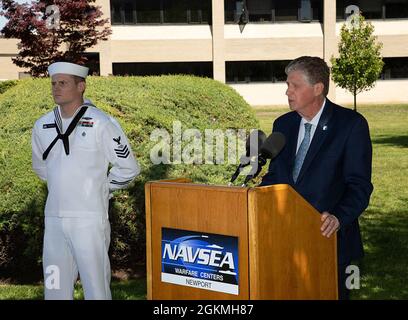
314,122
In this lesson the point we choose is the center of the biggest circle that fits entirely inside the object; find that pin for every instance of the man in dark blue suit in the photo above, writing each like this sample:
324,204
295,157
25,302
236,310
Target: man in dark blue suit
327,158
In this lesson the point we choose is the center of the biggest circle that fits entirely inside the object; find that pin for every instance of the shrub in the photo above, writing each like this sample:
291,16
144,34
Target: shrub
5,85
140,104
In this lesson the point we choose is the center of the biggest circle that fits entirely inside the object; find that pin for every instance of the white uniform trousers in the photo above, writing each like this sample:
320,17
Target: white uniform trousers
73,245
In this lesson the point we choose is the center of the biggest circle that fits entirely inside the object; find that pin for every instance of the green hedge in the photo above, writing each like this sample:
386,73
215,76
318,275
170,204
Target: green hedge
141,104
5,85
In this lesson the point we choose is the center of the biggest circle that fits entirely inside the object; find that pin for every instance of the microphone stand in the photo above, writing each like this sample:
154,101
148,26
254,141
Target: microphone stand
249,177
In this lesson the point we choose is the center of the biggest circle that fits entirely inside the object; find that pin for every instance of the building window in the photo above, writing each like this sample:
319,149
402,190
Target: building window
93,63
259,11
395,68
396,9
116,12
201,69
256,71
129,12
375,9
199,12
286,10
175,11
160,11
148,11
24,75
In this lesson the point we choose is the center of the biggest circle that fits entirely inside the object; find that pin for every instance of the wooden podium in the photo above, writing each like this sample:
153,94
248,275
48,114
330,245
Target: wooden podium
282,254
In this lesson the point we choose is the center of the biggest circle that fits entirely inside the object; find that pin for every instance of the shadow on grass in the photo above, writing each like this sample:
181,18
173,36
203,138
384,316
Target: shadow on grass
132,289
384,269
398,141
129,289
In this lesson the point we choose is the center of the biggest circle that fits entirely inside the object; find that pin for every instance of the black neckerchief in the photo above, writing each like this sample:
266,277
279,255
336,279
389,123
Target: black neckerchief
65,136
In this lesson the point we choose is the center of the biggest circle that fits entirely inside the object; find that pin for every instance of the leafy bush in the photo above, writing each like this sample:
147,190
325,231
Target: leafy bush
140,104
5,85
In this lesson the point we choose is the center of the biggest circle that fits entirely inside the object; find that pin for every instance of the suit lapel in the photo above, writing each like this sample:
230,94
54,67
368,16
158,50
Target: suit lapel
323,128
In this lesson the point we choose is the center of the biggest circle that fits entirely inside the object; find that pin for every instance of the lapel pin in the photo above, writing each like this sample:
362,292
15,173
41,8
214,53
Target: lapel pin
324,128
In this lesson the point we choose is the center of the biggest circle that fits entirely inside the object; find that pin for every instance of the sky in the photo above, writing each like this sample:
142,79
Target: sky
3,20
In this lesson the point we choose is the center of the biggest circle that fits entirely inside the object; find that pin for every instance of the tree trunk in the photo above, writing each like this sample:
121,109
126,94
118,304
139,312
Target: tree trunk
355,101
355,98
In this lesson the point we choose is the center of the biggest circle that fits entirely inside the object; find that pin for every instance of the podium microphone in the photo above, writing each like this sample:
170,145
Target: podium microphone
269,150
253,143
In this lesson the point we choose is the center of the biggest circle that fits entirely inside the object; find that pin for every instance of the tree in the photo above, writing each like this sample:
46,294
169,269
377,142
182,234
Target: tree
359,63
53,30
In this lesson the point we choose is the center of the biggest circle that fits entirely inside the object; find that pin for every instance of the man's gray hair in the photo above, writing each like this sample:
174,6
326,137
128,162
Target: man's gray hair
315,70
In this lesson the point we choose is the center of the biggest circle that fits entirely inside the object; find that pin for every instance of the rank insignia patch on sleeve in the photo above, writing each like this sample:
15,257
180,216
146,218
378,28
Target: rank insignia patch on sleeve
122,151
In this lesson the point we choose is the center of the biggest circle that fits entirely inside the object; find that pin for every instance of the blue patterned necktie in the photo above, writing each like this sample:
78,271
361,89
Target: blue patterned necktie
301,154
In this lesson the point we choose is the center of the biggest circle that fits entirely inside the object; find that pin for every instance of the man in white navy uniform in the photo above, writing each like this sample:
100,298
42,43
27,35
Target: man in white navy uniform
72,148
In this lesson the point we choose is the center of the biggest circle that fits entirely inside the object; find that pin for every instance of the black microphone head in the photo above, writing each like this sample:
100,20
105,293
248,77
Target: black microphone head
273,145
254,142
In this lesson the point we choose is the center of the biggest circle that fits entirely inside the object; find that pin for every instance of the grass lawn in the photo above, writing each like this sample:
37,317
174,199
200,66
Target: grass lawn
134,289
384,226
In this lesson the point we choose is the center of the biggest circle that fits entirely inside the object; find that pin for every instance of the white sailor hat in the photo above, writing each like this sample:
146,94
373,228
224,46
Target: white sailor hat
68,68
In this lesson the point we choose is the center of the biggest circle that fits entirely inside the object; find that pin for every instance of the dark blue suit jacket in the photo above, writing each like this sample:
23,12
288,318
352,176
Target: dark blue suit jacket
336,173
